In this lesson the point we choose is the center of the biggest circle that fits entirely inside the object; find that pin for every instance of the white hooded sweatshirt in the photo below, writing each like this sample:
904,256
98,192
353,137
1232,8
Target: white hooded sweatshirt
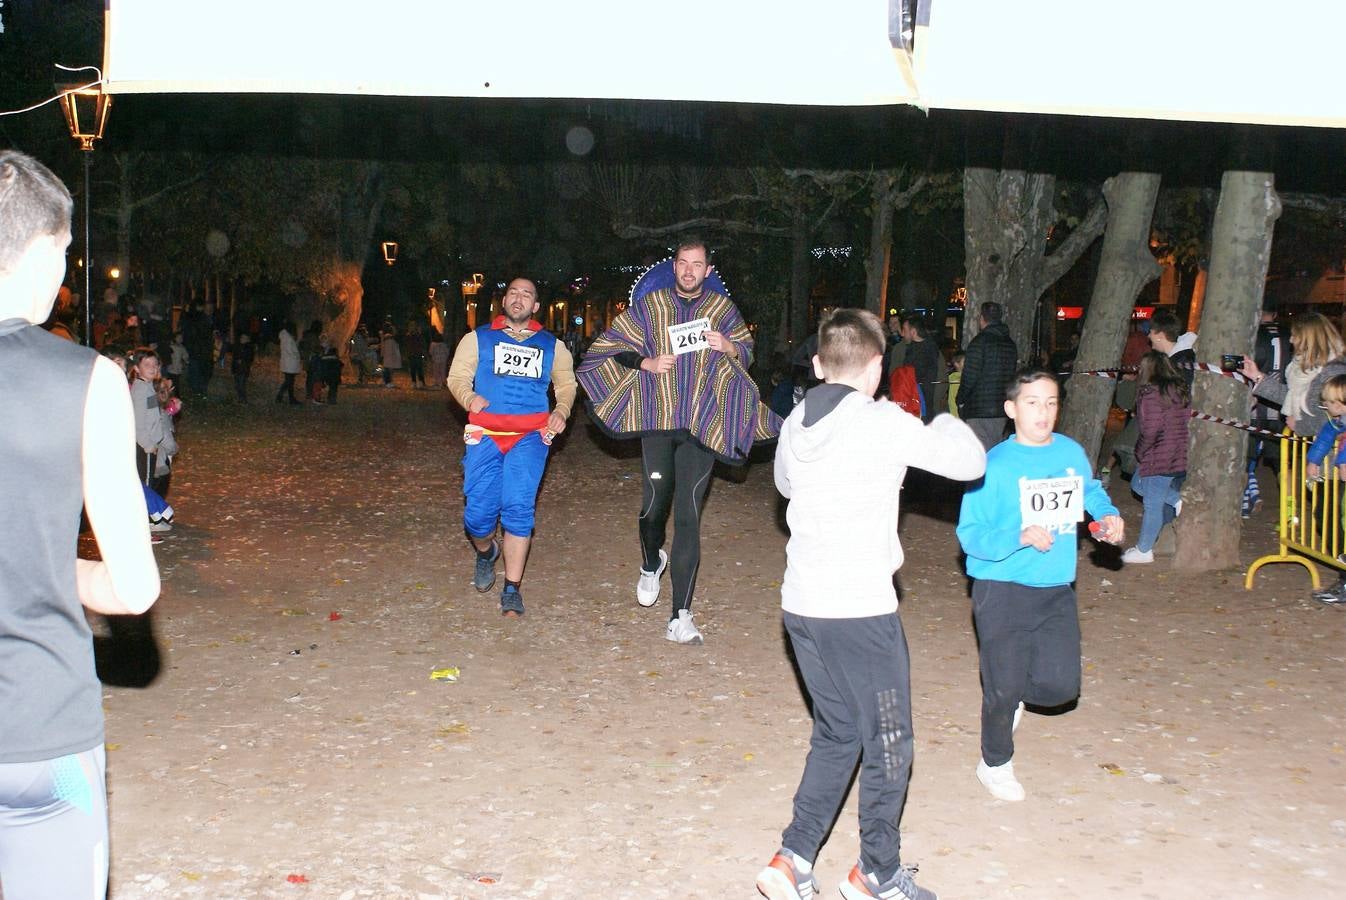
843,475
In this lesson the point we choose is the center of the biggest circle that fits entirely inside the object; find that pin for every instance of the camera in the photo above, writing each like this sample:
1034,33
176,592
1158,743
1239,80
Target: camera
1231,362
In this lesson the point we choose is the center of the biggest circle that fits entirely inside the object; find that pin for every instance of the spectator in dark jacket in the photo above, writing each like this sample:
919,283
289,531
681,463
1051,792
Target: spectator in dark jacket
198,335
991,358
240,364
923,355
1163,409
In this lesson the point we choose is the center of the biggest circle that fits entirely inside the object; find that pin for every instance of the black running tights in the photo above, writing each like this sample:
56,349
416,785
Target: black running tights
676,475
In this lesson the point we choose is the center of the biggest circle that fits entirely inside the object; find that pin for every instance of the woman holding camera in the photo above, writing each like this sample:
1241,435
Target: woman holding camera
1318,349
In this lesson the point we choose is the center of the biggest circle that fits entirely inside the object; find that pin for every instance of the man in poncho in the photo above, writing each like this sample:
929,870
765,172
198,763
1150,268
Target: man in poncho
672,370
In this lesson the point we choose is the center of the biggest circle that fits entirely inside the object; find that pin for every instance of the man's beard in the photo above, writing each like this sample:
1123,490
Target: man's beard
693,291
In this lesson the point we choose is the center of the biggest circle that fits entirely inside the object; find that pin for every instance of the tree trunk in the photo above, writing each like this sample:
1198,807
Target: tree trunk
799,276
1126,266
337,301
1208,531
1198,300
1006,215
880,246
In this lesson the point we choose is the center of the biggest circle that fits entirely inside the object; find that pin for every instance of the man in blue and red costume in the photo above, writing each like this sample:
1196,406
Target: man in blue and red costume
500,374
672,370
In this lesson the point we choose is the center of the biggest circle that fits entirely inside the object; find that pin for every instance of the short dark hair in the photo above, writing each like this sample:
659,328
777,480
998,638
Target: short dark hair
848,339
33,203
1027,376
1166,323
690,241
992,312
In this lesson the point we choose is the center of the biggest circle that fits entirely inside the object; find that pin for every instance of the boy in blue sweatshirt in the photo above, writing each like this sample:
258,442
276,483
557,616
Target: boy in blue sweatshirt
1017,528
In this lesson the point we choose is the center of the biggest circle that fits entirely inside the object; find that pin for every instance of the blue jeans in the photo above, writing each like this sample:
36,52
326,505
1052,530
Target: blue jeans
1159,495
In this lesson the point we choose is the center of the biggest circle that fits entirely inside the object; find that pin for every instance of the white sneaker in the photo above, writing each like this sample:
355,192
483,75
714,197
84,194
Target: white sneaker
160,526
1018,717
681,630
1000,781
1177,508
647,588
1134,555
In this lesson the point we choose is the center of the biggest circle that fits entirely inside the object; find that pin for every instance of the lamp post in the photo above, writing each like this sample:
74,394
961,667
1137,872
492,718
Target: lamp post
86,109
390,252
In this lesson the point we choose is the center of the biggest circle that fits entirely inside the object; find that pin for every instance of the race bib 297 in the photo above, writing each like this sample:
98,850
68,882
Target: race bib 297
517,361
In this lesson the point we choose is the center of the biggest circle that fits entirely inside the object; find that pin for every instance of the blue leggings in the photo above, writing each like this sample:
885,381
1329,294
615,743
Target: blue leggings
53,828
502,486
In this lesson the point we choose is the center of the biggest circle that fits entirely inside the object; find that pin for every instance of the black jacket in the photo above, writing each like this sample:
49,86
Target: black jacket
991,359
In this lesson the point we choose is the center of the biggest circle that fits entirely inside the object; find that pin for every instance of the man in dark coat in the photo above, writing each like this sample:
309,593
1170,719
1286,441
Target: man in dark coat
988,368
198,336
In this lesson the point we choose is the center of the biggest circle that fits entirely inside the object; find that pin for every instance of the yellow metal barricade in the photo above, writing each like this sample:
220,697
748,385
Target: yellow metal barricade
1310,514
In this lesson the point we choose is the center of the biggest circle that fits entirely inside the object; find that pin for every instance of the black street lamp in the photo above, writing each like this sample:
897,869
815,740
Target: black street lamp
85,108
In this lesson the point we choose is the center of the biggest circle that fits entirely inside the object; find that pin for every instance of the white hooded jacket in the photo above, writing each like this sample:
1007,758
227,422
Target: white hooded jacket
843,476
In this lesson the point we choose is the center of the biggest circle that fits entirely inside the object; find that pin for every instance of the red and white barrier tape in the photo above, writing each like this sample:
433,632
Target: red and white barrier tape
1253,429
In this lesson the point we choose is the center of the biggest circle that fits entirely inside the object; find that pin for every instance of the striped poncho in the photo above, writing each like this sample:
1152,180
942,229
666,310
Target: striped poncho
707,394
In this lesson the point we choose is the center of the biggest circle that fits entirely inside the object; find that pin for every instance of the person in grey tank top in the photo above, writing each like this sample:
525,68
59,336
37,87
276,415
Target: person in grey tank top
68,442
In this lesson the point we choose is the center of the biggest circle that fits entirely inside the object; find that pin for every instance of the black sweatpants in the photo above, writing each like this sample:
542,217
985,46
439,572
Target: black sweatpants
676,474
858,675
1029,646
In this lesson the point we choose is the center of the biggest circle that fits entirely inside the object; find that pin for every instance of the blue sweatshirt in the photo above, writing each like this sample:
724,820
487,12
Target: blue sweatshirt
991,518
1322,444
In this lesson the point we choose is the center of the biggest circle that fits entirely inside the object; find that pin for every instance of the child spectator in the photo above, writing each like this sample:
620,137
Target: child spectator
155,441
955,379
330,368
841,461
1334,404
1018,529
1163,409
178,357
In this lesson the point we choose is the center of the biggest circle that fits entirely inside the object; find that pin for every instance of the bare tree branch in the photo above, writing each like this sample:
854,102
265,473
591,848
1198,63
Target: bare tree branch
1073,247
904,198
1332,206
732,198
728,225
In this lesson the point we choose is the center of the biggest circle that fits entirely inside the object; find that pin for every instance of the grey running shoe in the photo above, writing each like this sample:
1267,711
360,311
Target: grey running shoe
783,879
483,579
862,885
511,602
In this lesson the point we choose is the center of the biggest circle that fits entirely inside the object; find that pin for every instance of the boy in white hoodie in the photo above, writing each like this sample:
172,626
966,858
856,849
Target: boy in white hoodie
840,461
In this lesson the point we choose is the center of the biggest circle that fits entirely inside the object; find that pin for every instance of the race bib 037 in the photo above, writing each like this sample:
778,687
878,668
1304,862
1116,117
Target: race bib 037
689,336
1051,502
517,361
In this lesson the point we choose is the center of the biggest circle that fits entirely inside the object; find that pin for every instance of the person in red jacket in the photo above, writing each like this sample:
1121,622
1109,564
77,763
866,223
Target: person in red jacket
1163,409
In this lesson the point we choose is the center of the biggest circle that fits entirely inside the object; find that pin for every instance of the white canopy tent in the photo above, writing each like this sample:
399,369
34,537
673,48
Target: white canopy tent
1198,60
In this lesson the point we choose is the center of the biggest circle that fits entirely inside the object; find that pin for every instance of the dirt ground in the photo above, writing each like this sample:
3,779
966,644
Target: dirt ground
293,742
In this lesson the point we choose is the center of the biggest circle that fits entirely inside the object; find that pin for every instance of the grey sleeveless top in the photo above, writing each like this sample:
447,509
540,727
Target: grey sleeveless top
50,699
